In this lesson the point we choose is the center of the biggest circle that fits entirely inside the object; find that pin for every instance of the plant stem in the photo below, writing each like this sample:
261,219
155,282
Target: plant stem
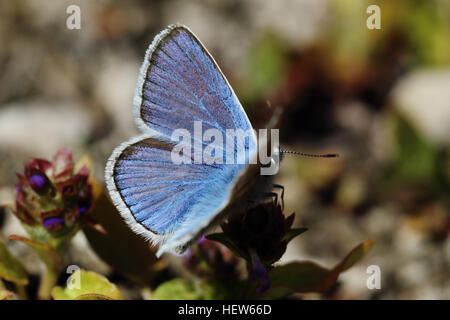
22,292
48,281
246,289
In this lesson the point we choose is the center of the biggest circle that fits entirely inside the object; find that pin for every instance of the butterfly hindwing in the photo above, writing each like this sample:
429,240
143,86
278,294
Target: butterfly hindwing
155,195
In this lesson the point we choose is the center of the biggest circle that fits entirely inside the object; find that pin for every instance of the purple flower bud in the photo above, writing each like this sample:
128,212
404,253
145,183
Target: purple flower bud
39,183
53,220
84,206
37,165
53,224
46,185
258,273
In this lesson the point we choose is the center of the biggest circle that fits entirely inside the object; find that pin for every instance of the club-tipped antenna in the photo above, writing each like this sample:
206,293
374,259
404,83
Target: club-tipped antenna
310,155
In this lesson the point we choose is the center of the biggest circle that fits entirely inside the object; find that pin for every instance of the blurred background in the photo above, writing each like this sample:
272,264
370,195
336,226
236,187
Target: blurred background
381,98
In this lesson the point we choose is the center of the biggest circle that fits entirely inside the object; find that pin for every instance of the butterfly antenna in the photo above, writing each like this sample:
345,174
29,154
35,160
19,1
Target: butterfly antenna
310,155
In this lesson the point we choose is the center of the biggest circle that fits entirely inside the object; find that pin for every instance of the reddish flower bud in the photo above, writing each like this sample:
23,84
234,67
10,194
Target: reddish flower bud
39,183
51,195
84,206
262,228
53,224
37,165
62,164
53,220
23,214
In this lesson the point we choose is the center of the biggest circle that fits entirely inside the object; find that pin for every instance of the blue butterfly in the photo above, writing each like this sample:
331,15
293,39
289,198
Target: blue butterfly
172,205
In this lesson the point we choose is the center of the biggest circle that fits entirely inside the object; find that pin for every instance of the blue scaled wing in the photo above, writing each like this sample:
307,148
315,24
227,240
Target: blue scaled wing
168,203
181,83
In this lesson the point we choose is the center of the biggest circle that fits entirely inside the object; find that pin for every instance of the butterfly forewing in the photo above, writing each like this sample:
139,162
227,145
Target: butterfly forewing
181,83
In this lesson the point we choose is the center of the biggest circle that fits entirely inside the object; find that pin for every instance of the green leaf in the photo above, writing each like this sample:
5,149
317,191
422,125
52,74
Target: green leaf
45,251
127,252
10,268
307,276
52,260
355,255
224,240
292,233
182,289
409,141
417,165
87,285
177,289
266,66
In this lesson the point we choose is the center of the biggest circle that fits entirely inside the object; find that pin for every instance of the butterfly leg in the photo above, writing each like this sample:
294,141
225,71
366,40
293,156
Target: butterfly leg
279,186
274,197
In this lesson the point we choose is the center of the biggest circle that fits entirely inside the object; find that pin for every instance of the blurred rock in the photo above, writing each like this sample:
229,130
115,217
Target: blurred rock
241,22
116,81
41,128
81,254
424,97
302,21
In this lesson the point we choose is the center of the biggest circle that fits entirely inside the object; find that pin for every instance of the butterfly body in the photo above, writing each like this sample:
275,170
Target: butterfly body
173,204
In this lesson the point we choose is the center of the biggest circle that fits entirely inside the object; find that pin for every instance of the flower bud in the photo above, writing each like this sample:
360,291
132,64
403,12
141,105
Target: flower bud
50,196
258,274
53,220
39,183
208,258
262,229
